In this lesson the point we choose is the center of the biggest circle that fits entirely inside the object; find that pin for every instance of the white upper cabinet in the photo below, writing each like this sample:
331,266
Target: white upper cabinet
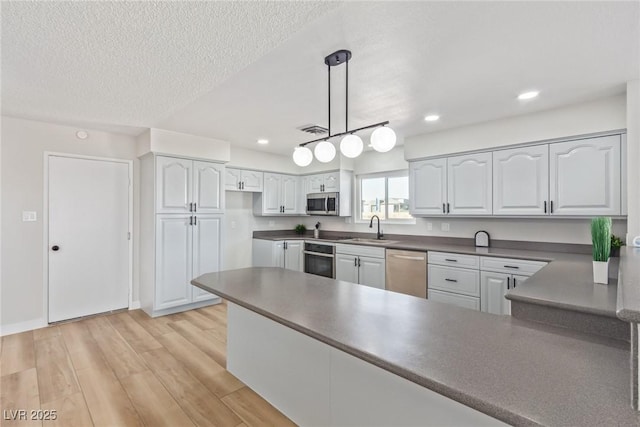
243,180
428,187
469,186
315,183
585,177
185,186
208,196
331,182
174,185
521,181
280,195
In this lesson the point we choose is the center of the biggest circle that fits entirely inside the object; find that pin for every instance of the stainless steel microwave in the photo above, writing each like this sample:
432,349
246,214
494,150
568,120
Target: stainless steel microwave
323,204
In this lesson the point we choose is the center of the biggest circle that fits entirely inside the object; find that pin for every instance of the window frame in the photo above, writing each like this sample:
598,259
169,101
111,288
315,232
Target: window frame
399,173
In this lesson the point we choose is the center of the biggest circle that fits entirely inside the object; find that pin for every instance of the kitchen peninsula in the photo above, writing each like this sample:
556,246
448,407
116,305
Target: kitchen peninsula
331,352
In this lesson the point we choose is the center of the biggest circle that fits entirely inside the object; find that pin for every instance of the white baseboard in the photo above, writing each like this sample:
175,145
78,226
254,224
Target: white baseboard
134,305
15,328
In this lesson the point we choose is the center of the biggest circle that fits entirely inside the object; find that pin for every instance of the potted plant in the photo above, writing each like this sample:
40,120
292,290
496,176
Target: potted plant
616,243
300,229
601,240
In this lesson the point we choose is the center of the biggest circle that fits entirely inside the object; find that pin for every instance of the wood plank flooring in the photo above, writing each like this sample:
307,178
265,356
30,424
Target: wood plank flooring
127,369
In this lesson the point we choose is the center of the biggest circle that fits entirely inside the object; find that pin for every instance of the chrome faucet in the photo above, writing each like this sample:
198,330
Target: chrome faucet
379,235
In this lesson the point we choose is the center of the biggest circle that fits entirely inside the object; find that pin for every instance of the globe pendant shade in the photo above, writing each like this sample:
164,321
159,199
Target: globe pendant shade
324,151
351,146
383,139
302,156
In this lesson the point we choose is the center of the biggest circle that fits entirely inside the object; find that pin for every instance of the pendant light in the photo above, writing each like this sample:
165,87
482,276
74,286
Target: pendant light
383,139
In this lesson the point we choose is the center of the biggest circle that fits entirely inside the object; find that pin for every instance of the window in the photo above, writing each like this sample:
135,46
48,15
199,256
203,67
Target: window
386,195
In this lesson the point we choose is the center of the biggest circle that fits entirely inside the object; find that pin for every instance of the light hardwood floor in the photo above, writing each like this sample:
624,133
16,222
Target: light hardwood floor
129,369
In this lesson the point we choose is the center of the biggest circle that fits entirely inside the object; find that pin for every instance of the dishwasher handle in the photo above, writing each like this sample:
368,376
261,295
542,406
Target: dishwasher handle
410,258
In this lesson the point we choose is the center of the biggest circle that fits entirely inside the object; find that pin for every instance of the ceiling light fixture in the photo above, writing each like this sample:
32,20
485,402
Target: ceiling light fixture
432,118
383,139
263,141
528,95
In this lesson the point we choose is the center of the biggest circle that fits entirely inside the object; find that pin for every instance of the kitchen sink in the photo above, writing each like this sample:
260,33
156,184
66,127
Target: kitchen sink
375,241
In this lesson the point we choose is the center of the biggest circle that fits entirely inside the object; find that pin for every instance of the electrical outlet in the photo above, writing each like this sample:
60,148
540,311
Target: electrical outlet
29,216
445,226
429,226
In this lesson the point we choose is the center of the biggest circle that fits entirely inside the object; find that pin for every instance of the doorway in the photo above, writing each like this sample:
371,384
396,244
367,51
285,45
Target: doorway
89,269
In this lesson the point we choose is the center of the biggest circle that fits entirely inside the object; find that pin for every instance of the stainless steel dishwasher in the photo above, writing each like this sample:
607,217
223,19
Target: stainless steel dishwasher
406,272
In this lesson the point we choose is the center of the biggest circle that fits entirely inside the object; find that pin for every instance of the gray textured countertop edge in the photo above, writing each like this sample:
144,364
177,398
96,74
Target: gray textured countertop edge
628,301
474,402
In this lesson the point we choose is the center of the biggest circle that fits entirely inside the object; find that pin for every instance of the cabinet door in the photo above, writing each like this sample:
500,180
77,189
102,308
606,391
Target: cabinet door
208,196
271,198
232,178
252,181
454,299
173,185
521,181
278,254
173,261
331,182
290,194
293,259
206,251
469,184
493,287
585,176
347,268
428,187
315,183
372,272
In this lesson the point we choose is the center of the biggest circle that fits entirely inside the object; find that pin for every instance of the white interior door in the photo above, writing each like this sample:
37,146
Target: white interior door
88,237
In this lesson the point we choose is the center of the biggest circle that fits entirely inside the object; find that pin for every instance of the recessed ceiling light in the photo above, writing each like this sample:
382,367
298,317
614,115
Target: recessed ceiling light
263,141
82,134
528,95
432,118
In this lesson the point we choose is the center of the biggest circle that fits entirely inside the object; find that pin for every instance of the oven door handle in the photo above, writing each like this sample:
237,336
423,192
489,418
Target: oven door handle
318,254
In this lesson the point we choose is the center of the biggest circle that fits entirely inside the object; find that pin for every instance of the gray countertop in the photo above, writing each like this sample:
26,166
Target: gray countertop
566,282
516,371
628,304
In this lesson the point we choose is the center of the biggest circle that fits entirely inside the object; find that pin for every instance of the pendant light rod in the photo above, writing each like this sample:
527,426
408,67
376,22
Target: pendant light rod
329,91
345,133
346,99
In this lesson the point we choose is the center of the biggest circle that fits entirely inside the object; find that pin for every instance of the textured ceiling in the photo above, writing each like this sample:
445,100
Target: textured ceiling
247,70
132,63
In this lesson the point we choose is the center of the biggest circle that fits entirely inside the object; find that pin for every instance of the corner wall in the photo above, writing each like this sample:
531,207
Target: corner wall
23,145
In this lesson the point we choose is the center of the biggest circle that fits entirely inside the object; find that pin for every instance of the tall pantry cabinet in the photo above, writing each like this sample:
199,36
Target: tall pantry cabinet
181,207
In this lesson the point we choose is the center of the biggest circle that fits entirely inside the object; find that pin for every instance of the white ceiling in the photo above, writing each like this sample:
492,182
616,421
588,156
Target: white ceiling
257,68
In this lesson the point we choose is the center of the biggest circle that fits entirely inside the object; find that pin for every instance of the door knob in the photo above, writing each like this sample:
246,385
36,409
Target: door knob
55,248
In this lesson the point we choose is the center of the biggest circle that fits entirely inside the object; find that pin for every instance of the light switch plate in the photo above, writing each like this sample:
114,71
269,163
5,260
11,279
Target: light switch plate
29,216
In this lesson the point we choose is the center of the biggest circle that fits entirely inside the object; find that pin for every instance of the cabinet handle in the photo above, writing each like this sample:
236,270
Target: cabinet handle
195,207
242,184
508,281
239,185
512,266
190,207
448,207
551,205
285,246
545,206
358,262
451,260
355,262
514,282
191,220
195,220
451,280
443,209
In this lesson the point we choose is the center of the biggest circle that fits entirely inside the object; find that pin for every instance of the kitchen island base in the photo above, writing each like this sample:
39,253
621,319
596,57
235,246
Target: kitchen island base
314,383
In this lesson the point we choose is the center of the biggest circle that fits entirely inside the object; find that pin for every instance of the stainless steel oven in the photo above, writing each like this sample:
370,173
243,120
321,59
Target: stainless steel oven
319,259
323,204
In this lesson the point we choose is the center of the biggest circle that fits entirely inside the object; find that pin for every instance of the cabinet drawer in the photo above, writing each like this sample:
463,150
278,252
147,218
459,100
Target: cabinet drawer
455,299
454,260
359,250
458,280
510,265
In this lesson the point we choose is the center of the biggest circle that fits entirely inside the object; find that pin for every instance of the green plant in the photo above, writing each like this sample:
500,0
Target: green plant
616,241
601,238
300,229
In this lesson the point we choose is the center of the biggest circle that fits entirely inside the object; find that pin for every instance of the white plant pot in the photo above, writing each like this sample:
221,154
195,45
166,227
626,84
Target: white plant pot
601,272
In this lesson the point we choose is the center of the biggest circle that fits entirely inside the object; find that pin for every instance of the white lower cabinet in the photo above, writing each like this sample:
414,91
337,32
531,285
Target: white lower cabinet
454,279
454,299
278,253
497,278
187,246
363,265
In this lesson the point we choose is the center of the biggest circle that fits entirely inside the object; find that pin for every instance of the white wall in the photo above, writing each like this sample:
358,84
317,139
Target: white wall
590,117
633,158
252,159
181,144
23,145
